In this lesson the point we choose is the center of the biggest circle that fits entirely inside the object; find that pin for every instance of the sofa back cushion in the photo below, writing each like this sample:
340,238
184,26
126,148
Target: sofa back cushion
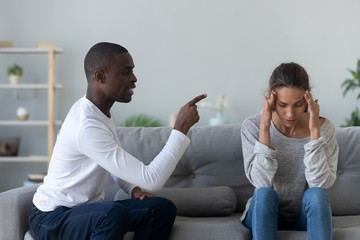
213,158
345,194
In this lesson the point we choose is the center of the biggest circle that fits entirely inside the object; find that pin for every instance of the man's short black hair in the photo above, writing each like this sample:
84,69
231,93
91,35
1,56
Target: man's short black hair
100,57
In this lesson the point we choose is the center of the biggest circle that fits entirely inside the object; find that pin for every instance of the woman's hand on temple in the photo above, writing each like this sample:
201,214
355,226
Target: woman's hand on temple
314,120
268,109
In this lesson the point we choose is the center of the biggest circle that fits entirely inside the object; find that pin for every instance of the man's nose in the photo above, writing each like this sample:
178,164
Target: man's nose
133,78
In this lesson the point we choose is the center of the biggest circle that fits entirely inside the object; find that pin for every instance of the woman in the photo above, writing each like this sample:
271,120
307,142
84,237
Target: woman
290,156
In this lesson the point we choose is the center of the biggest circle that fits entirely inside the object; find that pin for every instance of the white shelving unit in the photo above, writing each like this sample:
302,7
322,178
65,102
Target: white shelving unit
28,86
31,158
50,87
28,123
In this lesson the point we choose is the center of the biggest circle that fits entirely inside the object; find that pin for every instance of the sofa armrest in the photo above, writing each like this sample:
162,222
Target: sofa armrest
15,208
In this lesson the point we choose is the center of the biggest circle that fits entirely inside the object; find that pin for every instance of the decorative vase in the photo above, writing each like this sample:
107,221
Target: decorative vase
14,79
9,146
218,120
22,113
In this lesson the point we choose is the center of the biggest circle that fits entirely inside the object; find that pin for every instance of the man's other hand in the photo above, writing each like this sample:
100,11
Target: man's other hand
138,193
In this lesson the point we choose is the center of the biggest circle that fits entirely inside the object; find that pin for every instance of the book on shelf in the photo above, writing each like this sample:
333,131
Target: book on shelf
34,179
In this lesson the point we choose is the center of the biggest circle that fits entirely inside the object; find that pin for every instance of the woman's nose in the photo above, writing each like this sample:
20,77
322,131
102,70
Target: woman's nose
290,113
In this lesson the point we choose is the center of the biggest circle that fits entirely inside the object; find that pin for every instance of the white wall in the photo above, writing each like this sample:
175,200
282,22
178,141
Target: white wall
185,48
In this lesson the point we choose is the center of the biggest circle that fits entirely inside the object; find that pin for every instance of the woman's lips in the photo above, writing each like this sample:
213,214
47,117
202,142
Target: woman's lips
289,121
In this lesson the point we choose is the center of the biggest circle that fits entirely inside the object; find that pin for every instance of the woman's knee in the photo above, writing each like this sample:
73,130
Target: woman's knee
316,197
266,194
316,194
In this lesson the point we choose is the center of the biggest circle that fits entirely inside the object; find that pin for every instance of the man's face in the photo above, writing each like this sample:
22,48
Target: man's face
121,80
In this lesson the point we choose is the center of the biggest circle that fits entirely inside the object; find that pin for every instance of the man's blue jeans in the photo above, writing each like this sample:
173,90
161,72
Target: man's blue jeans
151,218
315,215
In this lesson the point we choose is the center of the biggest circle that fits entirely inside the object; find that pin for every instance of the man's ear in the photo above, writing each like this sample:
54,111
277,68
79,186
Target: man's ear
100,76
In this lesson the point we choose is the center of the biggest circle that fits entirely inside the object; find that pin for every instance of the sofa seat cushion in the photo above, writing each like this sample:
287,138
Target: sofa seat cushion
210,228
345,227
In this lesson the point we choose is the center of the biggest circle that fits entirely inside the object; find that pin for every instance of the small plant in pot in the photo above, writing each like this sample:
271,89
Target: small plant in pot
142,120
14,72
353,84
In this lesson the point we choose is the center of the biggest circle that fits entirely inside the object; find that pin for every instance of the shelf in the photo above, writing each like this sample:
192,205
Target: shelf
27,123
28,50
32,158
28,86
50,86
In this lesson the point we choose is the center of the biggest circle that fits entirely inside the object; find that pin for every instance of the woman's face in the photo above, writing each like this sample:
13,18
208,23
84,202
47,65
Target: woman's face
290,105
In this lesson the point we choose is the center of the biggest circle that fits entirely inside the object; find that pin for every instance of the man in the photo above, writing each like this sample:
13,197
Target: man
69,203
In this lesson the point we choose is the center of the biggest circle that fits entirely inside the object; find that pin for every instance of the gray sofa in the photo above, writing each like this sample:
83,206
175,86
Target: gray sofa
209,186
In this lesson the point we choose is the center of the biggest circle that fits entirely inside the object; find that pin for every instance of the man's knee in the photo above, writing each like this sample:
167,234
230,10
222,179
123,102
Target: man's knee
164,205
116,212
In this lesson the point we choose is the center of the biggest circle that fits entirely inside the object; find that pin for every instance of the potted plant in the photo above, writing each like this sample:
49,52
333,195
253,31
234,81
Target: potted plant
352,84
142,120
14,72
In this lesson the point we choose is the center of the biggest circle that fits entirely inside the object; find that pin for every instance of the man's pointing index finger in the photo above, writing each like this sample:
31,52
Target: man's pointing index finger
197,99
